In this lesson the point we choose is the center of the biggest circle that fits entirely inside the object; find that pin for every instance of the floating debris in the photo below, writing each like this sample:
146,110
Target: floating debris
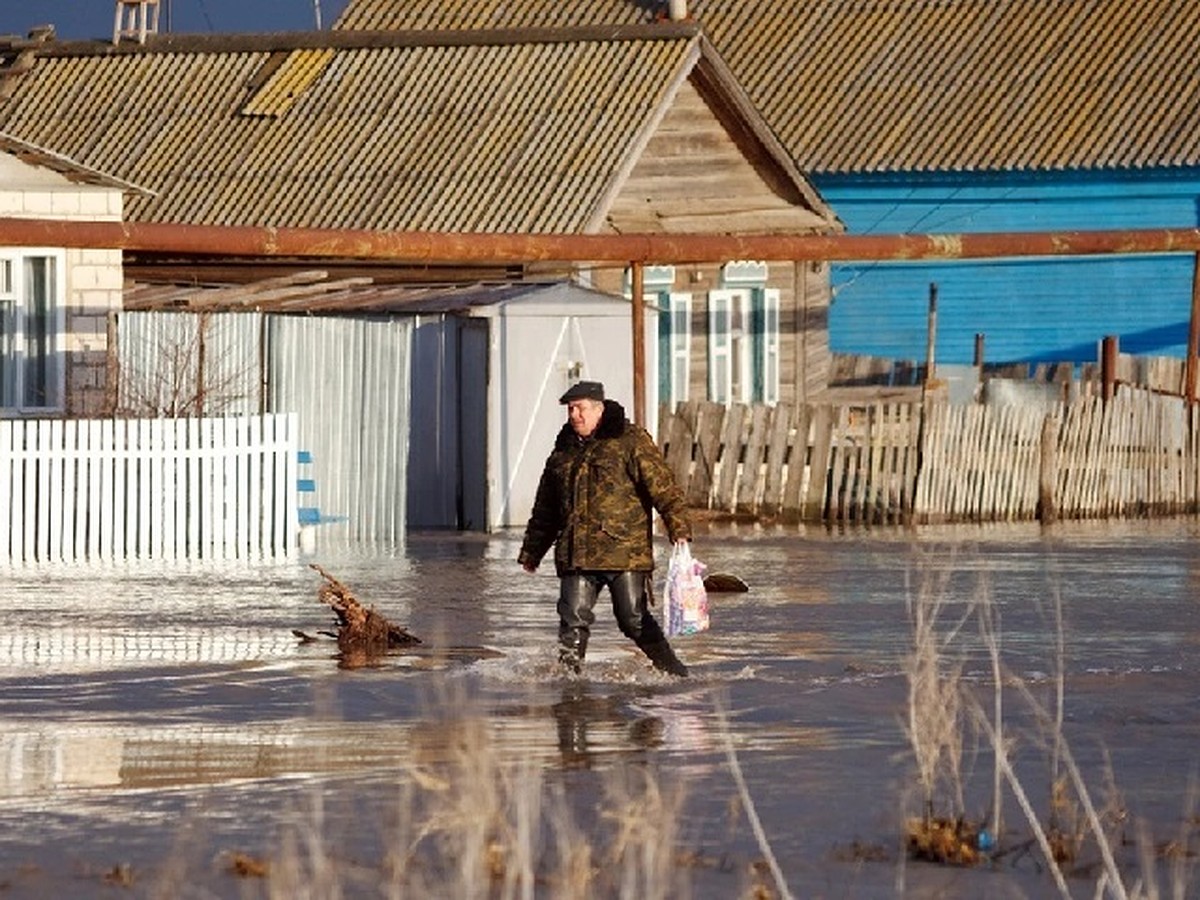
362,632
246,866
724,583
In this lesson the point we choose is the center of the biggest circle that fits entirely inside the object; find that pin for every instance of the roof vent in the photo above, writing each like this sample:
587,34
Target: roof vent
677,10
135,19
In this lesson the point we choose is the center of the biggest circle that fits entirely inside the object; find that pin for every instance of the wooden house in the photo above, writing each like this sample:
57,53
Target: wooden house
54,302
927,116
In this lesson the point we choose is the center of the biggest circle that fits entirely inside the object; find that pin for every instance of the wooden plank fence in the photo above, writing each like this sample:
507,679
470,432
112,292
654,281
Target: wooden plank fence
114,489
893,462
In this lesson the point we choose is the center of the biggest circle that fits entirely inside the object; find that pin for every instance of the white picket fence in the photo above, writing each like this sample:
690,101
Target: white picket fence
113,489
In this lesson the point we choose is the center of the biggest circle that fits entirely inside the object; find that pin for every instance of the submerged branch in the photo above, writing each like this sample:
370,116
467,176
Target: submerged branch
361,630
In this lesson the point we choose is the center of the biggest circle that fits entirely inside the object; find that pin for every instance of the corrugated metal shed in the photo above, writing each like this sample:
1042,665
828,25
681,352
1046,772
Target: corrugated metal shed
922,85
493,132
424,407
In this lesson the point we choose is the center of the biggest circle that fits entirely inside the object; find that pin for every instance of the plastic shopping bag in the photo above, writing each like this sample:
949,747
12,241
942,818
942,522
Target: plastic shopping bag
686,606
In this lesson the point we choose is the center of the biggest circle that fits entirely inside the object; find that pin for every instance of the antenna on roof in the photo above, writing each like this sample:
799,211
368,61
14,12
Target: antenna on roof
135,19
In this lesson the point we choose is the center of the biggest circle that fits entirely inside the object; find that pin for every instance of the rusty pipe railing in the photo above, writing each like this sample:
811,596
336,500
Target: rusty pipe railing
427,247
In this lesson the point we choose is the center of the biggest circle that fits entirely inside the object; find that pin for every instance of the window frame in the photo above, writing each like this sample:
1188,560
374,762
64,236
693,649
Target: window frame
744,333
674,347
720,346
20,313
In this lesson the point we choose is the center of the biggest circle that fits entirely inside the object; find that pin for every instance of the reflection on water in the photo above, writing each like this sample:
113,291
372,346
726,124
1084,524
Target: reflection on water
187,683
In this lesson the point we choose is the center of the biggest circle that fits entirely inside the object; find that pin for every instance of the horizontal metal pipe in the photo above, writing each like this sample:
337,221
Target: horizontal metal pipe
433,247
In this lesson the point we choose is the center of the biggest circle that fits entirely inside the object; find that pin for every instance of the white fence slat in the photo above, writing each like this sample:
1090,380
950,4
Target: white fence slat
241,506
205,491
77,505
228,479
97,464
169,489
54,459
8,474
40,472
145,490
179,512
165,490
153,453
253,505
286,471
123,513
23,519
195,512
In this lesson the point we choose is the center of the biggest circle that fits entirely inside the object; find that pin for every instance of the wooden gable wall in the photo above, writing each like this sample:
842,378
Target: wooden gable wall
696,175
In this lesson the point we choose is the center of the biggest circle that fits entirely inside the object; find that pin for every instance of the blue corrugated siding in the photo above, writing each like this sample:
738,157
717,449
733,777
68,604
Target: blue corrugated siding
1045,309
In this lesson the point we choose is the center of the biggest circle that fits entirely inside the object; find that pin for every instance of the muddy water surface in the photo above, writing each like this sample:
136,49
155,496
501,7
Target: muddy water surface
157,718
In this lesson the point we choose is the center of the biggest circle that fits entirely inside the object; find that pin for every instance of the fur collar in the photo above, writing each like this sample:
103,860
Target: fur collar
612,425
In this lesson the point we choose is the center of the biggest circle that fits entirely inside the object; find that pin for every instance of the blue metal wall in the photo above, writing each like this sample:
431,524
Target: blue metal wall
1045,309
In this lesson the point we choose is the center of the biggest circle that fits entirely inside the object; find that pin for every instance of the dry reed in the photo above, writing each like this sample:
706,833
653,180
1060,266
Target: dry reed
471,822
939,704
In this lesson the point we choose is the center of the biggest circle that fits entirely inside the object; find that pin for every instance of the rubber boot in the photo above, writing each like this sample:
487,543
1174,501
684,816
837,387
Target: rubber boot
572,647
664,658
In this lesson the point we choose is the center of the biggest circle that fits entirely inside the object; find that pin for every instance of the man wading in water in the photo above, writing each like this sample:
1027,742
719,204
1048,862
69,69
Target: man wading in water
595,504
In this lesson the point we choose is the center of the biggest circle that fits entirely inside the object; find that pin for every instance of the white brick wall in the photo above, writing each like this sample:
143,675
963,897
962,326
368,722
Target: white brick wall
93,278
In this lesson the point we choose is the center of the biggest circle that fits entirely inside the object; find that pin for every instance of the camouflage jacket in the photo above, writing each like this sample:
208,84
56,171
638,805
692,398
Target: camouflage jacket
596,498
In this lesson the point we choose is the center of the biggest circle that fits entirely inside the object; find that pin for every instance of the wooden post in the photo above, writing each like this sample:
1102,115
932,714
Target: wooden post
1048,471
1189,368
1108,367
931,337
201,353
638,311
112,367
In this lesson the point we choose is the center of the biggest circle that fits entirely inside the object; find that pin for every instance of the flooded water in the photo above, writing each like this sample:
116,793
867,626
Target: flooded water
156,721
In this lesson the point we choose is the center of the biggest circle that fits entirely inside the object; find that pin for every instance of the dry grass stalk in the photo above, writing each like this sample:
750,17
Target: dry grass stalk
989,630
1015,786
747,801
481,826
936,702
642,852
1093,820
935,726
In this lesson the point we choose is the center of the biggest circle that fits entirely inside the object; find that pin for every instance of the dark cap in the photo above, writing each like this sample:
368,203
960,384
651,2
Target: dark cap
583,390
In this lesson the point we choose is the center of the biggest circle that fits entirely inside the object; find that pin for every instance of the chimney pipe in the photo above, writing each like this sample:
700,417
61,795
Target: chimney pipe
677,10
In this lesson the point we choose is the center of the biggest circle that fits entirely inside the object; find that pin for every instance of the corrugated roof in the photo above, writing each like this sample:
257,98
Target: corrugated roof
859,86
68,168
311,292
495,132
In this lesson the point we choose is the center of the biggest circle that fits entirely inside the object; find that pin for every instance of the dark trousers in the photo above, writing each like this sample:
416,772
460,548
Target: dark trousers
577,597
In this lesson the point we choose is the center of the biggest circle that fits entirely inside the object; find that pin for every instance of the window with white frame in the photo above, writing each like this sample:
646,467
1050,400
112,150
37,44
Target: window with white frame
674,347
767,350
31,327
721,306
744,349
